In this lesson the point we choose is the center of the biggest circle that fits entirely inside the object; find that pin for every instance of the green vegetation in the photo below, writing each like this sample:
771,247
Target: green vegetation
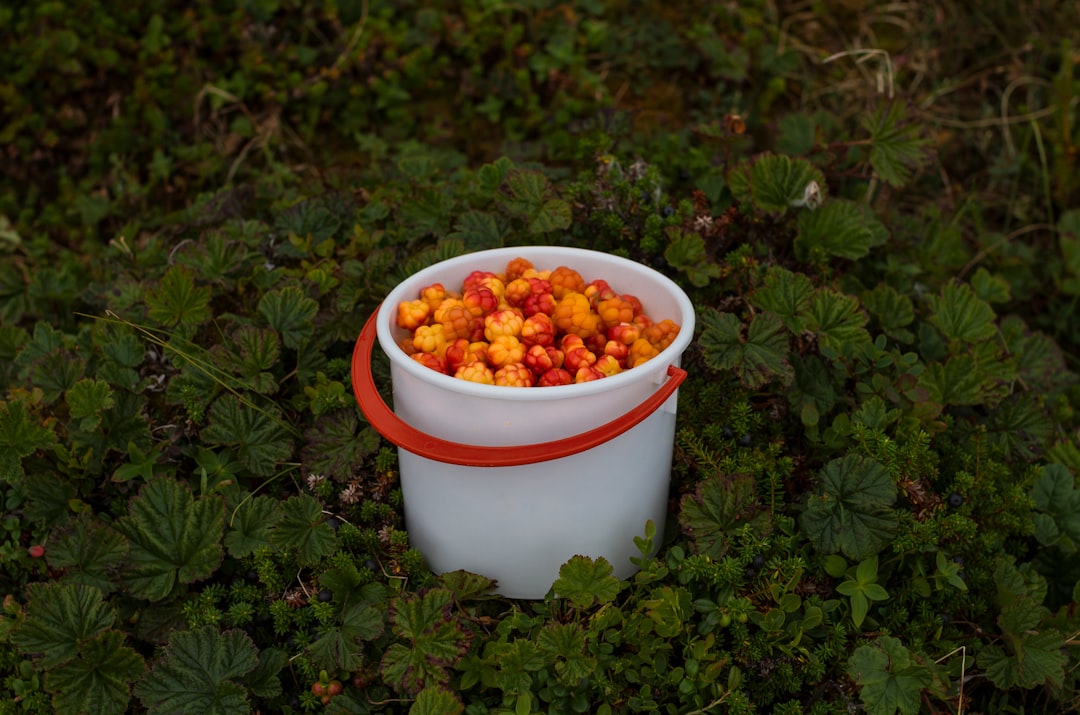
875,207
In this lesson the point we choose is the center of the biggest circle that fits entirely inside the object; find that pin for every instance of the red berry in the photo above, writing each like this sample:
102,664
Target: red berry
318,689
334,688
36,551
555,376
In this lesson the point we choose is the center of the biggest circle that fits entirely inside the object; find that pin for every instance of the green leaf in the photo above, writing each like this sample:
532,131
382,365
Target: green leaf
892,310
718,508
96,682
263,682
756,358
252,354
87,399
467,586
958,381
435,641
436,701
336,444
838,321
787,294
199,673
177,300
553,215
565,643
339,648
250,525
532,197
773,183
585,581
1055,493
90,552
304,528
812,394
59,619
491,176
668,609
898,147
841,228
20,436
258,436
686,252
1033,658
888,677
961,315
173,538
291,313
477,231
991,288
852,511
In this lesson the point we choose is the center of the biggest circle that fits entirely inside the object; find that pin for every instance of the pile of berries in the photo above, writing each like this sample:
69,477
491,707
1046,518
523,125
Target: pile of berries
530,328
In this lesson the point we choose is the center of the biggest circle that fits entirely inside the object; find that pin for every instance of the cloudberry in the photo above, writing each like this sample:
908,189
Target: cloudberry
574,315
614,311
433,294
476,279
517,291
661,334
457,354
480,300
540,303
538,329
494,284
588,374
618,351
609,365
412,314
579,357
625,333
540,359
570,341
516,267
407,346
503,322
476,372
555,376
514,375
430,360
599,290
632,300
430,339
455,318
641,351
504,350
566,280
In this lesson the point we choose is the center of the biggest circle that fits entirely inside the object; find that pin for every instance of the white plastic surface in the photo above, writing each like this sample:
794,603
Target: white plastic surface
518,525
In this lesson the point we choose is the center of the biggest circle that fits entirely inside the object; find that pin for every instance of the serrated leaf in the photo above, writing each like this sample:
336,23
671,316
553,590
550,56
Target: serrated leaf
435,641
756,358
565,644
1055,493
96,683
553,215
290,312
249,526
840,228
851,513
436,701
1040,362
303,527
87,399
20,436
892,310
258,436
686,252
491,176
199,673
337,443
59,618
467,586
989,287
961,315
1034,658
173,538
812,393
339,647
177,300
785,293
477,231
90,552
585,581
773,183
838,320
898,147
717,508
957,381
263,682
889,678
253,353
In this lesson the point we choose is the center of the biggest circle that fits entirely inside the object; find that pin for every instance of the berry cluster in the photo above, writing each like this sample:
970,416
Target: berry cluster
530,328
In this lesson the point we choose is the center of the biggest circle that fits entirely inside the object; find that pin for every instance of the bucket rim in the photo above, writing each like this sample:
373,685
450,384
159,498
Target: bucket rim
655,369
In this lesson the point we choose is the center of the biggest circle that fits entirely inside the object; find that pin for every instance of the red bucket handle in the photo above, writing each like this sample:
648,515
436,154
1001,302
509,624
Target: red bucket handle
395,429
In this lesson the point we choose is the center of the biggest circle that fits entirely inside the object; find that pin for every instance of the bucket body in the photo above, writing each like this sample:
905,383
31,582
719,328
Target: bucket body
519,524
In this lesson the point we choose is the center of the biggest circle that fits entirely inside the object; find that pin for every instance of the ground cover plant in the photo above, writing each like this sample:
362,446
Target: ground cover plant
874,206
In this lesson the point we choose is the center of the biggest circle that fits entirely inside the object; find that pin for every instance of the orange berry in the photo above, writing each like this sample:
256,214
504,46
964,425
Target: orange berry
516,267
642,321
503,322
579,357
517,291
609,365
540,359
455,318
430,360
479,300
555,376
433,294
566,280
625,333
574,315
412,314
457,354
538,329
476,279
539,303
617,350
514,375
430,339
476,372
641,351
494,284
599,290
407,346
504,350
588,373
632,300
613,311
661,334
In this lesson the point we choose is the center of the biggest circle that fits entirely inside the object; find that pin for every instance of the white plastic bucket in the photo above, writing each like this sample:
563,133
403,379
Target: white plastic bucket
510,483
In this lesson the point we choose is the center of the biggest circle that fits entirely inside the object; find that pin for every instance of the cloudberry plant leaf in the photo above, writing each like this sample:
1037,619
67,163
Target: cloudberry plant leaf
258,435
851,512
174,538
491,176
838,320
309,218
756,358
21,434
812,393
264,682
773,183
59,618
1030,659
467,586
252,354
517,661
840,228
177,300
200,671
892,310
436,701
250,525
337,443
989,287
290,312
96,682
477,231
1056,495
431,641
898,148
961,315
668,608
1040,362
957,381
717,508
340,647
564,643
686,252
303,527
90,552
889,678
87,399
585,582
787,294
